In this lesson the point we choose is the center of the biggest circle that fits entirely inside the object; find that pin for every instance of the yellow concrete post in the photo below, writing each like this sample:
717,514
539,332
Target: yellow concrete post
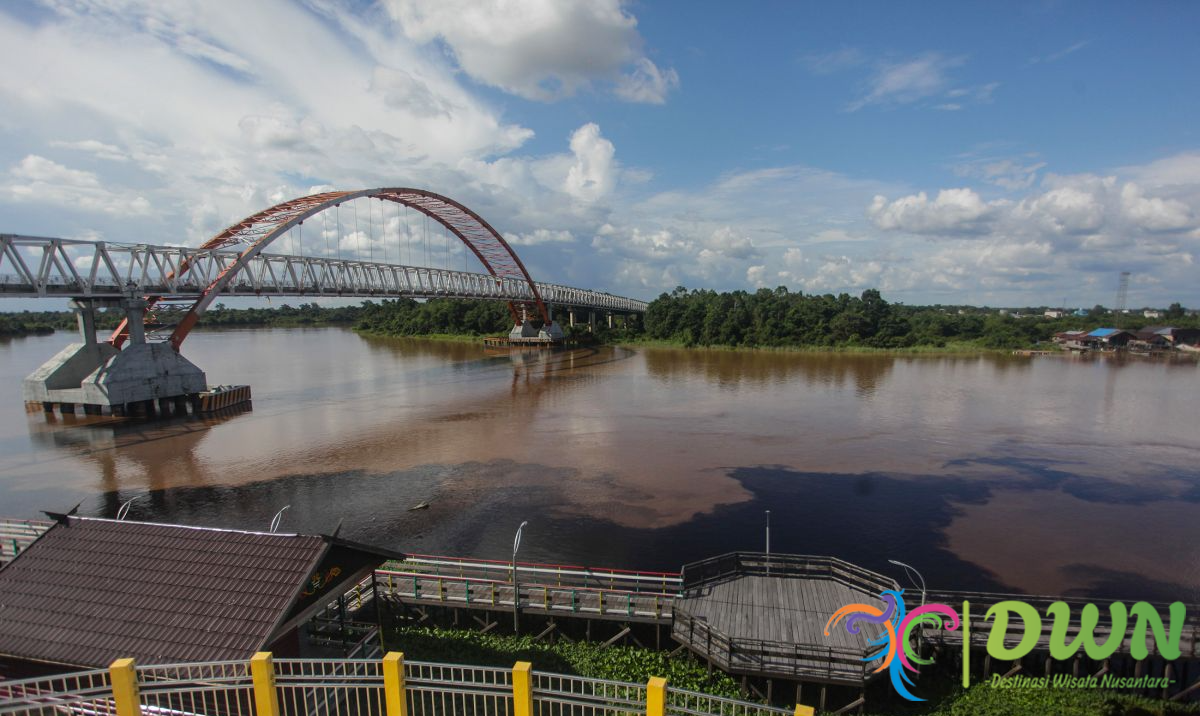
266,698
802,710
123,675
656,696
522,680
393,684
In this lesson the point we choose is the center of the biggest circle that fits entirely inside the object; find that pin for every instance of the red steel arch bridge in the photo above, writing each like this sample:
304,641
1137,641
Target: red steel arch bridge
370,243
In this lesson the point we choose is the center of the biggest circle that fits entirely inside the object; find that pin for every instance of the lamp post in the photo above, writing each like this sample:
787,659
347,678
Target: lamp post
768,543
516,587
911,570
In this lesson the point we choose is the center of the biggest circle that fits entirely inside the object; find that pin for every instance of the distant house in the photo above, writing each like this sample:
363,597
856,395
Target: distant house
1152,313
1169,336
1054,313
1081,311
1069,336
1107,338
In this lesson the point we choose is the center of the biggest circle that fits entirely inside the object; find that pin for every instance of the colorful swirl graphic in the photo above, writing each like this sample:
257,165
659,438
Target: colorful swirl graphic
895,642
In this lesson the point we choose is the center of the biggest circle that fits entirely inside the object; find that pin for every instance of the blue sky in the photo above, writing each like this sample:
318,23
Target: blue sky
1004,154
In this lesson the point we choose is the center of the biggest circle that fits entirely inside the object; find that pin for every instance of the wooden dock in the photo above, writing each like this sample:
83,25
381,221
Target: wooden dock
762,615
748,614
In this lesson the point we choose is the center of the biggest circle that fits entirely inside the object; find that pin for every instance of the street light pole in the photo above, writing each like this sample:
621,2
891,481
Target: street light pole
911,570
768,543
516,587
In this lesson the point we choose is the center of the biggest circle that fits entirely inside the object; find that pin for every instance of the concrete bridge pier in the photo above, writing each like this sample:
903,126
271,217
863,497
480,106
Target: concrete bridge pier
99,376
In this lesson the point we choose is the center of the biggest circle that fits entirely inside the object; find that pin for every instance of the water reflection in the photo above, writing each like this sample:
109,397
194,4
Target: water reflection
731,369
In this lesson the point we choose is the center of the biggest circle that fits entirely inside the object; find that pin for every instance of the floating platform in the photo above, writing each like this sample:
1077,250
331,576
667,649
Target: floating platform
213,400
221,397
509,342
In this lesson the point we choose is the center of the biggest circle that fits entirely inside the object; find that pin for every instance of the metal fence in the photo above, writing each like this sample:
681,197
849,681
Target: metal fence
352,687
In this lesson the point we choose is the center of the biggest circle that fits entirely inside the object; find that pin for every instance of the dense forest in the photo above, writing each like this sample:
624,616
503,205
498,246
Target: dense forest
308,314
782,318
766,318
406,317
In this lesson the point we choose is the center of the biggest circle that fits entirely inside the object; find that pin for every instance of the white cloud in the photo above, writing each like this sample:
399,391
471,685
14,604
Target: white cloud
36,179
96,148
539,49
540,236
1153,213
592,175
1056,56
953,211
830,62
907,82
42,170
1007,173
646,83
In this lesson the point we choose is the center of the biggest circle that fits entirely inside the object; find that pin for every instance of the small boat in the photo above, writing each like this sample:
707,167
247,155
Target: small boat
420,506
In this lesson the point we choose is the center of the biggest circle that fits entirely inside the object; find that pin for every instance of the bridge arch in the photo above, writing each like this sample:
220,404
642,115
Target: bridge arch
258,230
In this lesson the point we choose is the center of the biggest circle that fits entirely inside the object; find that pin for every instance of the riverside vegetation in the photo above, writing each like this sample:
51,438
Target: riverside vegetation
766,318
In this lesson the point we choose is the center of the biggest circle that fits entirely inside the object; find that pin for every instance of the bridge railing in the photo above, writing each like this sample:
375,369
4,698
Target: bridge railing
321,687
36,266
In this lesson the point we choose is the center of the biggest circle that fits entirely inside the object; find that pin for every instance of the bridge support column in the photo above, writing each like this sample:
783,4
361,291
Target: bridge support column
135,314
610,325
591,321
571,317
98,375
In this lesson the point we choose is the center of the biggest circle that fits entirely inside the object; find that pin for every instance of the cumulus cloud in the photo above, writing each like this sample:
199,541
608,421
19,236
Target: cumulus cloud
592,175
40,180
540,49
953,211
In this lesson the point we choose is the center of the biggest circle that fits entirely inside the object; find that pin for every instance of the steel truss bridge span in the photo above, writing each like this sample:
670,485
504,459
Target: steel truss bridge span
51,267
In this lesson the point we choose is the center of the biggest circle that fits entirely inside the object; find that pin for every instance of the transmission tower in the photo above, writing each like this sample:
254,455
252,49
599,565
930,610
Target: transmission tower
1122,297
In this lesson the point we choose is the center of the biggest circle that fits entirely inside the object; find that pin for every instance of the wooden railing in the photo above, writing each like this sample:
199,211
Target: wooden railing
544,588
757,564
809,662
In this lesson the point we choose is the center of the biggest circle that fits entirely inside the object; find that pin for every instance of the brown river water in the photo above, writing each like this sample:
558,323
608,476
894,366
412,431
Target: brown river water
1048,475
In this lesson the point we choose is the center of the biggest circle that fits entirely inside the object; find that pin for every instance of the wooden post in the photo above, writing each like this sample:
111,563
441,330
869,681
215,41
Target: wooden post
266,698
393,684
656,696
123,674
522,681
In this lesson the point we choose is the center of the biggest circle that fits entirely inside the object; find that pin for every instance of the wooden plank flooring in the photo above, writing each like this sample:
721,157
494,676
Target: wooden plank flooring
786,610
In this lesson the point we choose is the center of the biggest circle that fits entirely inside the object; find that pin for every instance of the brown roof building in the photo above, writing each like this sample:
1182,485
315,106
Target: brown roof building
90,591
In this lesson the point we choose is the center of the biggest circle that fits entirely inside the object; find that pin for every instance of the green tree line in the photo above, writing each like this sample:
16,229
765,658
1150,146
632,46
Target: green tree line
783,318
